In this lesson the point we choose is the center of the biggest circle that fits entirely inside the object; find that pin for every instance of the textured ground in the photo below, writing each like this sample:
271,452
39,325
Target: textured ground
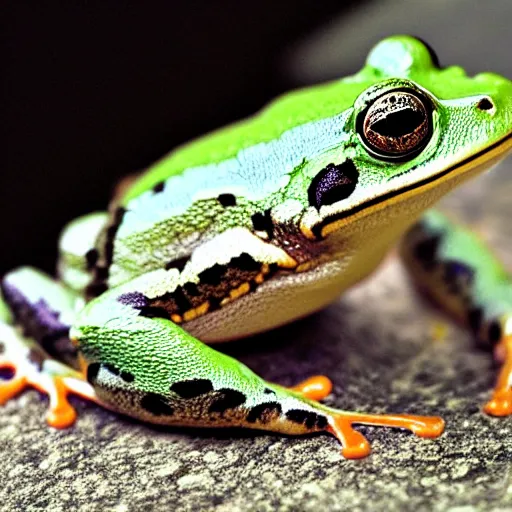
378,346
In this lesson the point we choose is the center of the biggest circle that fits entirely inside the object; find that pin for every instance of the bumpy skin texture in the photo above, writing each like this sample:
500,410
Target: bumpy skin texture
246,229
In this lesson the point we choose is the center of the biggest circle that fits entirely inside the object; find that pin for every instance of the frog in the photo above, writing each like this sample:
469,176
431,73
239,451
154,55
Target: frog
256,225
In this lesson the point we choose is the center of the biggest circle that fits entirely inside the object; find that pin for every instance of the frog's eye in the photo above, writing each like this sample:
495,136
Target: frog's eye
397,125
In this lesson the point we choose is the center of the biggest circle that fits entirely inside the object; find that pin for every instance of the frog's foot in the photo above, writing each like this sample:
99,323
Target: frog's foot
339,423
316,388
356,446
501,401
30,366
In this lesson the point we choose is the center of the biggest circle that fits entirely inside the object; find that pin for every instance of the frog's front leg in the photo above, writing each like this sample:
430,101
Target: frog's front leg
34,344
454,267
142,364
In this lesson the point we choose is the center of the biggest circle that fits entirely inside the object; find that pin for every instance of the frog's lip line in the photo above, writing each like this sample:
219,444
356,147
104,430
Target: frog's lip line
485,154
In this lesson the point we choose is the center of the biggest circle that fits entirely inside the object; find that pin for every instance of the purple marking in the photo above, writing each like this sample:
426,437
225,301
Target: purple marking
40,322
136,300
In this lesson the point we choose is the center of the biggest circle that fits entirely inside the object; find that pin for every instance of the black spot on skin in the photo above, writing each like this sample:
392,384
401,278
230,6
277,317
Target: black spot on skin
178,263
475,317
181,299
101,272
91,256
111,234
192,388
494,332
227,200
245,262
213,275
333,183
92,373
259,412
426,251
156,404
485,104
307,418
252,286
191,289
154,312
99,285
159,187
269,391
321,422
127,376
214,303
263,222
229,399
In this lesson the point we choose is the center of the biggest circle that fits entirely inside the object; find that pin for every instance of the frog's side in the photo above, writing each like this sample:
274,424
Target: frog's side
254,226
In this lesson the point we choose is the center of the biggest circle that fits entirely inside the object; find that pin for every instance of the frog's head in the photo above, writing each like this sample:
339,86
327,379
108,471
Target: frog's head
414,131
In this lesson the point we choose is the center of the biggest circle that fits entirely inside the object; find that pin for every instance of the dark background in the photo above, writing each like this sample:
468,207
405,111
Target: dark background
96,90
93,91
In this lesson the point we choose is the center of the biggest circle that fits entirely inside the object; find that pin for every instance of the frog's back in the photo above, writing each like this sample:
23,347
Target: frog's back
285,113
249,208
309,105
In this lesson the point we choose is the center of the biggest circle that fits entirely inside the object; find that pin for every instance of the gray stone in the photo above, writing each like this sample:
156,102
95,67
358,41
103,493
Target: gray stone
382,347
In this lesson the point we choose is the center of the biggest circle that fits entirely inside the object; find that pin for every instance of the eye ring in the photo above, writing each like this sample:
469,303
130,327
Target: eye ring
397,125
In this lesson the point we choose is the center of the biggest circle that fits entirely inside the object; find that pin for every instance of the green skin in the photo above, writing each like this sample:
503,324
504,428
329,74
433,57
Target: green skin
241,228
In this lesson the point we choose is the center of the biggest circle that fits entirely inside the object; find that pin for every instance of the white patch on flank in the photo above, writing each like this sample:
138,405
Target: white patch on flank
80,235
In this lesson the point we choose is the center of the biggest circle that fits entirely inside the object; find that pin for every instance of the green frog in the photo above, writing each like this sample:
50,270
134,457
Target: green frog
258,224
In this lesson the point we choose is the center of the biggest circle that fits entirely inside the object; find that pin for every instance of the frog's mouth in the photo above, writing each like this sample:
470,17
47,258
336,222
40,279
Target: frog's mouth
470,166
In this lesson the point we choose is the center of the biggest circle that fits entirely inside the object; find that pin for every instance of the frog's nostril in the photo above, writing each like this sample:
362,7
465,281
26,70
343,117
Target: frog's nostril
485,104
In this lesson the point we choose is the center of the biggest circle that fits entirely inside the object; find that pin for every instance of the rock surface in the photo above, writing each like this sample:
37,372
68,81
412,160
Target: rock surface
382,346
385,350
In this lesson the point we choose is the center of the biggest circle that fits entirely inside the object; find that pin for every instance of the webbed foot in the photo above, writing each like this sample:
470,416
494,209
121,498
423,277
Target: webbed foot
31,367
356,446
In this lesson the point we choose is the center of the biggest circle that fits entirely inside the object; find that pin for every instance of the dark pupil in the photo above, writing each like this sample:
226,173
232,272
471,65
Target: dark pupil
398,123
332,184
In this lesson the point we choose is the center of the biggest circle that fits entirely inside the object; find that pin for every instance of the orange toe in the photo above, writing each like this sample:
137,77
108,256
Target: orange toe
355,445
61,413
314,388
11,388
501,402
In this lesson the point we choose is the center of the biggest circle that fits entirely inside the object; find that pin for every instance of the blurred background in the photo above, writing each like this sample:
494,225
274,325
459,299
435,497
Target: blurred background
93,91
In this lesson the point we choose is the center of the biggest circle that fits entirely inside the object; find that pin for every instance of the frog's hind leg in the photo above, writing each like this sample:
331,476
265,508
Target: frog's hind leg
142,364
34,331
455,268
